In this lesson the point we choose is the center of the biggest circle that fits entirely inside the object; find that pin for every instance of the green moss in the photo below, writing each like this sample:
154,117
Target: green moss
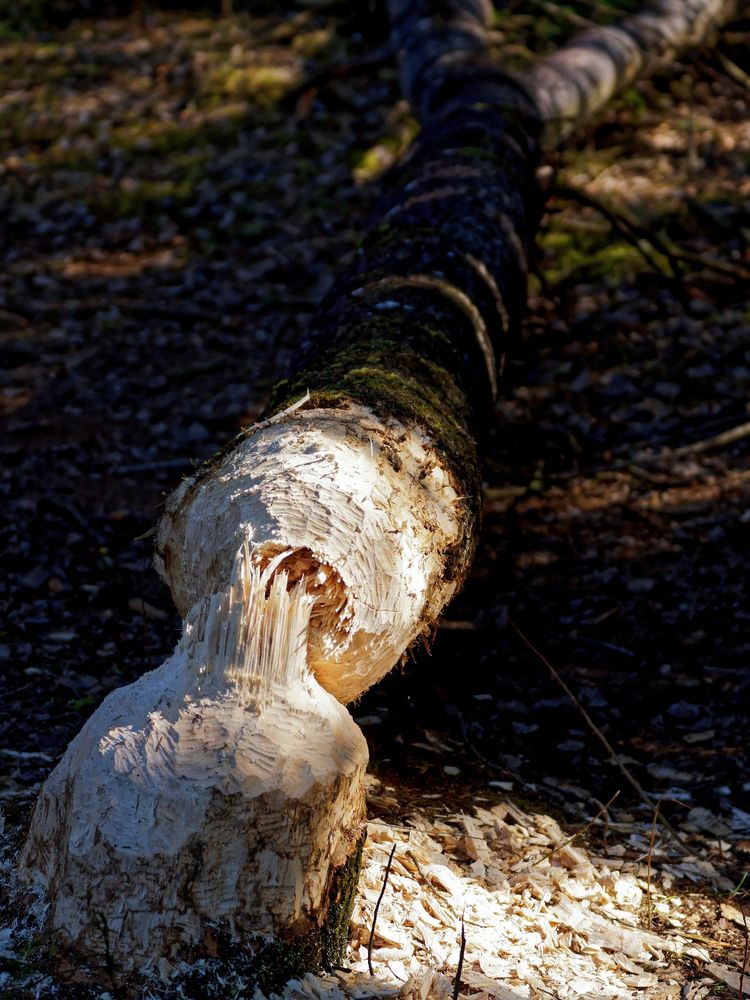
632,99
263,85
310,43
24,965
321,948
81,704
335,933
574,254
181,152
577,163
139,197
155,138
405,381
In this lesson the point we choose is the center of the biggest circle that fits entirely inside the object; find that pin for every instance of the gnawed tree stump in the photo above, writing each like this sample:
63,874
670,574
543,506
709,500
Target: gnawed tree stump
221,795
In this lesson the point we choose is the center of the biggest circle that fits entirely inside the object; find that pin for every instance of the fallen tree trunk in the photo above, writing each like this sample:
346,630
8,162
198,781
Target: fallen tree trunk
218,801
574,83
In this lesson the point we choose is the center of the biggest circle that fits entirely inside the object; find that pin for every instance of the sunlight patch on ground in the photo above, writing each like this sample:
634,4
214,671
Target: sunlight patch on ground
542,917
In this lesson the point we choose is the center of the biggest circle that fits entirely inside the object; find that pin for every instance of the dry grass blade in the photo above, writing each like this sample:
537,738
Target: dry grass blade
649,862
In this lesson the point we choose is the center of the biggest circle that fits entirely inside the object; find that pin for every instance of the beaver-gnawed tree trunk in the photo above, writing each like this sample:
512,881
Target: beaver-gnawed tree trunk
218,800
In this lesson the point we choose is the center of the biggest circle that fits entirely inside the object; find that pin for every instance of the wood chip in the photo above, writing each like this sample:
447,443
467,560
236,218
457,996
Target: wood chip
729,976
548,930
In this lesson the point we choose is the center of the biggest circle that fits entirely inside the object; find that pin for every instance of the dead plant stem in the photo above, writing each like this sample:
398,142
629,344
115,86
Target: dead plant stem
649,860
574,836
613,756
745,954
459,968
377,907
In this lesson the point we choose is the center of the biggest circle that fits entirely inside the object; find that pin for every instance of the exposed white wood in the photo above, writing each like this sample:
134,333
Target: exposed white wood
365,501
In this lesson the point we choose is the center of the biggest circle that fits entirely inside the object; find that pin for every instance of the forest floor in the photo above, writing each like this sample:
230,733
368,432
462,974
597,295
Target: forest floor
175,219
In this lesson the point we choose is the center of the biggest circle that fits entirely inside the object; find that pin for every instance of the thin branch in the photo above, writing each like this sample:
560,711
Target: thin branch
734,71
651,839
736,433
614,757
478,753
642,453
554,10
635,234
377,907
156,465
574,836
625,227
459,969
745,954
299,97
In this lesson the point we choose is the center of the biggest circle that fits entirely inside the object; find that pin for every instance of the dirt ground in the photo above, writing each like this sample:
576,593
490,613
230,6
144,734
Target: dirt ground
173,219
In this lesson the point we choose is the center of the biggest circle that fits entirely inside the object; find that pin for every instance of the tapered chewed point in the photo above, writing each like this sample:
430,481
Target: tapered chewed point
222,790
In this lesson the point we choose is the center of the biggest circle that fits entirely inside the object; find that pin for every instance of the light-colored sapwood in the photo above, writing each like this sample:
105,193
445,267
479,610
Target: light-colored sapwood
224,791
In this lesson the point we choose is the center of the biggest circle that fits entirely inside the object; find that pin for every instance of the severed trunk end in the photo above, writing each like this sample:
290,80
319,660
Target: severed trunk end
215,807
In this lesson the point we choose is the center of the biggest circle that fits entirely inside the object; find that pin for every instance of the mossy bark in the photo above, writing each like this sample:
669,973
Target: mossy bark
270,965
418,327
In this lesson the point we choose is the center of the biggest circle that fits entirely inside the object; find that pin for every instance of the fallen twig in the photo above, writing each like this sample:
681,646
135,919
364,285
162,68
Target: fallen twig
556,11
478,753
607,645
707,444
298,98
641,453
613,756
162,463
459,968
625,227
569,840
651,839
377,907
636,234
734,71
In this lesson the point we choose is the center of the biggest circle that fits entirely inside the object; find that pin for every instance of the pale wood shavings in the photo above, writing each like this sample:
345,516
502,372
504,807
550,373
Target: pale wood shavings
730,912
543,917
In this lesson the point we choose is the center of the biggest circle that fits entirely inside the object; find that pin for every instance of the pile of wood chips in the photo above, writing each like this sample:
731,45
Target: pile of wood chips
541,916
